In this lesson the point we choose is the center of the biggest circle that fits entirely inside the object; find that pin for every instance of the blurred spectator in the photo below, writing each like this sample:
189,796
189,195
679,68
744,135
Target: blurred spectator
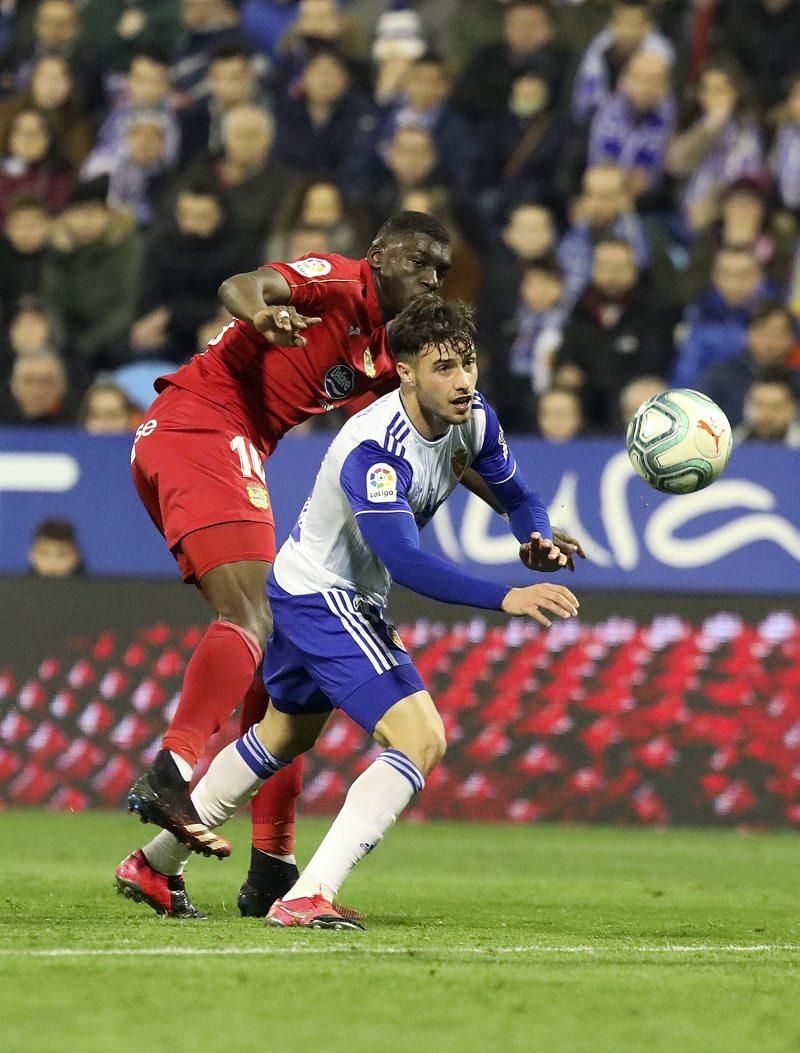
771,344
39,392
114,31
746,223
141,175
720,144
54,551
602,211
32,165
183,269
303,241
106,410
521,146
614,334
631,129
637,391
232,81
559,415
398,41
253,181
764,38
56,31
770,411
146,87
52,92
412,163
266,21
318,205
205,26
528,236
316,129
91,274
484,87
785,158
425,104
32,330
631,29
25,231
319,23
541,315
717,322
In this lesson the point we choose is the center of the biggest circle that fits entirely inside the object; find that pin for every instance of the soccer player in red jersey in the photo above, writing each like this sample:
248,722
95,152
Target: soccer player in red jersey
307,337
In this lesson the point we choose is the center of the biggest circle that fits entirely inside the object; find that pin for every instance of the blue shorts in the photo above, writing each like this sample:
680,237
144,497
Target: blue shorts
334,650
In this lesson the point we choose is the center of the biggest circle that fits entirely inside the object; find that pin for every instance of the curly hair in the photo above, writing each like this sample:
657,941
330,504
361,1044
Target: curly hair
429,321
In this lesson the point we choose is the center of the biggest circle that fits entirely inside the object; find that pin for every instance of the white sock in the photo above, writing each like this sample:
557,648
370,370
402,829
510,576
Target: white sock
183,766
233,777
373,803
165,854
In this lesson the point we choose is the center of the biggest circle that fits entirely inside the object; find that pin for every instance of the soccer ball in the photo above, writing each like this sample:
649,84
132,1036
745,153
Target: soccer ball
679,441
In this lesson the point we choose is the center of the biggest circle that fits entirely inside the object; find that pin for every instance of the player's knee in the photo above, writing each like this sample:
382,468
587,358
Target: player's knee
252,614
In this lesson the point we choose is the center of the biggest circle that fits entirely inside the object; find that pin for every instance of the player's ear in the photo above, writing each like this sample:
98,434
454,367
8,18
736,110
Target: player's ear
406,373
375,256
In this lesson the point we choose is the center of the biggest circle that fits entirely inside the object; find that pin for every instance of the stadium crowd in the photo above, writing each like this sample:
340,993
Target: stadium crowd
621,180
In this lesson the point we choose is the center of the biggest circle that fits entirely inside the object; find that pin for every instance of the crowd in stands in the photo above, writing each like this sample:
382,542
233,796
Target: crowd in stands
621,179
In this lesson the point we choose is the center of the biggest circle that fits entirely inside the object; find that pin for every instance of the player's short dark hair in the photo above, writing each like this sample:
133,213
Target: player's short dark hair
232,49
201,186
158,56
55,530
547,264
543,5
767,309
644,5
431,321
778,376
409,222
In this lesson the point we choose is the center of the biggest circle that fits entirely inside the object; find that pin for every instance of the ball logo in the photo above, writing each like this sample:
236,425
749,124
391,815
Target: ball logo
339,382
312,267
381,484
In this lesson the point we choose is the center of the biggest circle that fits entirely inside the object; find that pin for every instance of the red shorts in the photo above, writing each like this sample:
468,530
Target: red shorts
194,466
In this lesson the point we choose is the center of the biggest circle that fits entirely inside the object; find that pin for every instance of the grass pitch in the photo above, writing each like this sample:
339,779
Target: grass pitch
479,938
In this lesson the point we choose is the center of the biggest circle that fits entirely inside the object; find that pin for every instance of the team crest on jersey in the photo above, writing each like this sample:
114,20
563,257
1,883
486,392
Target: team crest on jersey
339,381
458,462
313,267
381,483
258,496
369,364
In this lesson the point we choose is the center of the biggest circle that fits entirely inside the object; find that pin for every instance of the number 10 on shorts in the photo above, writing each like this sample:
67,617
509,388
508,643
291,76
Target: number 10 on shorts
249,460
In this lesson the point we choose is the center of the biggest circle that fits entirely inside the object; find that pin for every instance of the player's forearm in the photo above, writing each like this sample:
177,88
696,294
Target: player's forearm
244,295
389,537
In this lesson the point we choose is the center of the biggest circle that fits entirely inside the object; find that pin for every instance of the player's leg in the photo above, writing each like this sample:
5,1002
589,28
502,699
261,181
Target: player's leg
413,736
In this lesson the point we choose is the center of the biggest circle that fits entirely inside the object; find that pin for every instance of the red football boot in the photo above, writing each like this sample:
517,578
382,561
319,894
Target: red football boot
312,912
137,880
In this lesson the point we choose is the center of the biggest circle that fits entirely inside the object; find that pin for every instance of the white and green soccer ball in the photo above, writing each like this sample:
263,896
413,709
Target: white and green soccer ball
679,441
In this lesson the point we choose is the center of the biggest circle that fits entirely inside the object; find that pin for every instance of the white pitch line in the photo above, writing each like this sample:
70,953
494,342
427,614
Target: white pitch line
368,951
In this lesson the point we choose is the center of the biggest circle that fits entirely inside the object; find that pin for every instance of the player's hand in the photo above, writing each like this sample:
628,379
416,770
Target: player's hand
283,326
533,599
540,553
570,546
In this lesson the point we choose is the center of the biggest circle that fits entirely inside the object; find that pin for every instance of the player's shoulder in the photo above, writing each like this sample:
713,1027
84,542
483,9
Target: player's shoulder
378,427
322,267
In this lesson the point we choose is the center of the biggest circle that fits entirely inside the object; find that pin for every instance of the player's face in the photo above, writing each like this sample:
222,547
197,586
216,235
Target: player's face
445,382
408,267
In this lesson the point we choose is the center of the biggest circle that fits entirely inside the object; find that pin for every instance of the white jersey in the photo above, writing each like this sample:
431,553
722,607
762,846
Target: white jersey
379,463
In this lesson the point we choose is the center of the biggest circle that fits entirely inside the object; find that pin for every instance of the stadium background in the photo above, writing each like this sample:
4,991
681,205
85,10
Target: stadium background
676,698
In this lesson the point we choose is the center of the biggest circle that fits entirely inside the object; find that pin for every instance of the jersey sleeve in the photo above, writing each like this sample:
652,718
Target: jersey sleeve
374,480
317,281
495,463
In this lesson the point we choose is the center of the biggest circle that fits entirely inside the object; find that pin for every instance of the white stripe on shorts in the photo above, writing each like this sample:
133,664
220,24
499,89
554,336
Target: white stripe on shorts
368,628
365,643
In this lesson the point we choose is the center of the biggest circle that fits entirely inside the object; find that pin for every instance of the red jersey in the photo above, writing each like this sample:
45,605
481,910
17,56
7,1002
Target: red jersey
273,388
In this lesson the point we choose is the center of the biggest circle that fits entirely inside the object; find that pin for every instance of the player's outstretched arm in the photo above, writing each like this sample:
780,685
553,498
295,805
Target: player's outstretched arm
262,299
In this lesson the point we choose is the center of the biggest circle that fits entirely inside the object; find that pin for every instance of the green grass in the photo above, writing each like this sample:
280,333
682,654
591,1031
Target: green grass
479,938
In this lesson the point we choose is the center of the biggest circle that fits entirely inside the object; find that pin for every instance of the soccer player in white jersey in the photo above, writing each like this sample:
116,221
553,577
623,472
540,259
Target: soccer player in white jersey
384,476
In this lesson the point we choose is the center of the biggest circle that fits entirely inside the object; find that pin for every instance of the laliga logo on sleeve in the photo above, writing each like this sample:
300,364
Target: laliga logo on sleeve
381,484
311,267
